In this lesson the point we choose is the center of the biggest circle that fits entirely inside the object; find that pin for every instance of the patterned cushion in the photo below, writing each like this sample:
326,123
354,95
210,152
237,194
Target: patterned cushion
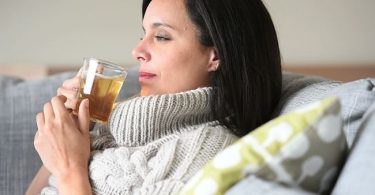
303,148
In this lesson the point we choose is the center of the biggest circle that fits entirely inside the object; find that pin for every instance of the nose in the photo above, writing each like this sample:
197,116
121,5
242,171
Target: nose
140,52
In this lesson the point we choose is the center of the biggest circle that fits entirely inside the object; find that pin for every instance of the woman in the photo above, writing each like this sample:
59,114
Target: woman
209,72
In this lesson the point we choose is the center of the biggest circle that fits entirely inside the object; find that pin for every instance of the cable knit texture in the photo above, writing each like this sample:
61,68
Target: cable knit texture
154,144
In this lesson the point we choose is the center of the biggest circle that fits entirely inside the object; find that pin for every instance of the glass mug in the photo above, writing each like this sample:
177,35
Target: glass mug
100,82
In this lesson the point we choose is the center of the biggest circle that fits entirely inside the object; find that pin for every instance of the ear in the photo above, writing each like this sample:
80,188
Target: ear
214,60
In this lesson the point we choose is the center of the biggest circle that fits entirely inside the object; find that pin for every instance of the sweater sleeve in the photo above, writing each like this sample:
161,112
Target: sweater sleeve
159,168
100,138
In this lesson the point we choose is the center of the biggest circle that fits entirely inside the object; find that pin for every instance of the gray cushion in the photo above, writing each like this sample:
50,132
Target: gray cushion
358,174
355,97
7,81
19,103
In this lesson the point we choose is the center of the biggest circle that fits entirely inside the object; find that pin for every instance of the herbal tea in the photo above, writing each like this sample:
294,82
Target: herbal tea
102,95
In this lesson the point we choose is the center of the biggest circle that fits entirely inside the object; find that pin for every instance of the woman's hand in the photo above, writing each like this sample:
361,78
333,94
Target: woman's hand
70,89
63,140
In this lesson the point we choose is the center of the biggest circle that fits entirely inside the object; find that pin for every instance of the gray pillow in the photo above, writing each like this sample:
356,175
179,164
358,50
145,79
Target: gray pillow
355,97
357,176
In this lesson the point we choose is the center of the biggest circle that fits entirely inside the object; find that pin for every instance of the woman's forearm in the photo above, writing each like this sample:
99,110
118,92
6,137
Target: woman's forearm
40,180
76,182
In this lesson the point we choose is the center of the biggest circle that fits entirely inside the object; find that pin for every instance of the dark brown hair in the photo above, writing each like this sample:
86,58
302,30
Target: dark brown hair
247,85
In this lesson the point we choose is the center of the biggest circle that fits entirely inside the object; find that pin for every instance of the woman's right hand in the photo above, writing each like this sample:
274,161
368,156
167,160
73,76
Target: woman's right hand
70,89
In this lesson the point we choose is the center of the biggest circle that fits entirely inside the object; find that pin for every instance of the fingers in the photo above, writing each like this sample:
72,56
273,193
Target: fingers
58,106
70,89
40,124
71,95
68,93
48,112
72,83
100,68
40,120
84,116
51,110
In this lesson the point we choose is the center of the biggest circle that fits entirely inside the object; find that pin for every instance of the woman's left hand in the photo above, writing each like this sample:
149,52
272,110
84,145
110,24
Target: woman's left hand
62,139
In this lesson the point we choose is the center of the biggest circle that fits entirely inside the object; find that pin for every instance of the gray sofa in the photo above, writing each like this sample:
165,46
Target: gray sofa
21,100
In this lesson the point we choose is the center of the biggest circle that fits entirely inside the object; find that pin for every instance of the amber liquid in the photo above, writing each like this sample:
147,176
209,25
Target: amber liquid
102,97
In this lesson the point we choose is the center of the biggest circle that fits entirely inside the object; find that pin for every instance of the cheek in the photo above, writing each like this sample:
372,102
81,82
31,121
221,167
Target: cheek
174,63
181,70
184,76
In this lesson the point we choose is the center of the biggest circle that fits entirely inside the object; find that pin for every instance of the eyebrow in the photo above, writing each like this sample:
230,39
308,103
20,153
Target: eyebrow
159,24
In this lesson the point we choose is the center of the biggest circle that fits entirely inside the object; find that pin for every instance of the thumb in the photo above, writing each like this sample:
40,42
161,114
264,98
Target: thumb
84,116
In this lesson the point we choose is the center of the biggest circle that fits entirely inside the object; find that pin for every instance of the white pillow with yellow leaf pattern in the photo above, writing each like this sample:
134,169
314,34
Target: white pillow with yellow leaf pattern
303,149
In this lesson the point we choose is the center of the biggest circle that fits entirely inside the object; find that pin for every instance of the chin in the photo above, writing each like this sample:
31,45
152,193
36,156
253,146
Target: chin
147,91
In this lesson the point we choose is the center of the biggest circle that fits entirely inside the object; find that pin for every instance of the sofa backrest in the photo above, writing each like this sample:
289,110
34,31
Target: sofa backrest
21,100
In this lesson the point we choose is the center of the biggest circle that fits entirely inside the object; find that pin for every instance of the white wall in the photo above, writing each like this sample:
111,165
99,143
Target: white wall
51,32
55,32
325,31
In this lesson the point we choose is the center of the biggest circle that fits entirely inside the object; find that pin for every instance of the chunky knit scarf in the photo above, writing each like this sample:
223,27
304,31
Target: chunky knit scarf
154,144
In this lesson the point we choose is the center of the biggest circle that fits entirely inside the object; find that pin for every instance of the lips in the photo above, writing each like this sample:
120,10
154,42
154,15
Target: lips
146,75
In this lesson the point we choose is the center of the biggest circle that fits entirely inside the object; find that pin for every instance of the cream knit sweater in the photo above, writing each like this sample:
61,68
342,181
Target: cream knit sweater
154,144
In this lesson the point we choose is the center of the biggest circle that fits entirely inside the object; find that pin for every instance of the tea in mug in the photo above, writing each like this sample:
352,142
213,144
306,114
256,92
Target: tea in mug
102,96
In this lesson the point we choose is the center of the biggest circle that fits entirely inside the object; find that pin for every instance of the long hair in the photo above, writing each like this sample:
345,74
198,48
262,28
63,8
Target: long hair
247,84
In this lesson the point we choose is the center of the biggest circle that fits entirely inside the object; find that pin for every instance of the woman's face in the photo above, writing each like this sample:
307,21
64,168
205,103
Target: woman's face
171,58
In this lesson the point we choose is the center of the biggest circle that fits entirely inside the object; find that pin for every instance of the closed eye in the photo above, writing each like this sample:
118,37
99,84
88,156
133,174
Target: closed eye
162,38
